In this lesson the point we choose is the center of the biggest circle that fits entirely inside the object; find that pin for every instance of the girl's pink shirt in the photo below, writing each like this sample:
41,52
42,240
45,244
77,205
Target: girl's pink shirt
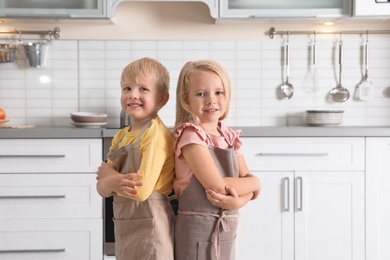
189,133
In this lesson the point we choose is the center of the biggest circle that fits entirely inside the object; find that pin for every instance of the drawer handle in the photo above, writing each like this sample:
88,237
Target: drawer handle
33,250
33,197
286,194
294,154
299,194
32,156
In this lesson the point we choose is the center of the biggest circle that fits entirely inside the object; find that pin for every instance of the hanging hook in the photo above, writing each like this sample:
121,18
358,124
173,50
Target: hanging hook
288,36
20,36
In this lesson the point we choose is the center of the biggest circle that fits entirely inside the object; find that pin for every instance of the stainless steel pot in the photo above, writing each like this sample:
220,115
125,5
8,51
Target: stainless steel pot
125,119
36,53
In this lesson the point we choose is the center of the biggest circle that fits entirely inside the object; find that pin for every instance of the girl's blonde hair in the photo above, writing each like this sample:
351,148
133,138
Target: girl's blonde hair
183,110
149,70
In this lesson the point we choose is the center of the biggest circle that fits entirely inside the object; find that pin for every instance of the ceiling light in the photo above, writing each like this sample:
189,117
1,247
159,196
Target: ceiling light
328,23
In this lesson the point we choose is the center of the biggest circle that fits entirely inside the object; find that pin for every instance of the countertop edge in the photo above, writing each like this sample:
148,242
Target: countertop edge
287,131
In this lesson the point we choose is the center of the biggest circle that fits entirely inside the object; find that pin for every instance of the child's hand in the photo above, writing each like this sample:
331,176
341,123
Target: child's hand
230,201
125,185
105,170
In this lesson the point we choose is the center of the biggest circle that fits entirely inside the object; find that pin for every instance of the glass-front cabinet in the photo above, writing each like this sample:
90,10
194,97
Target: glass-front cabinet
53,9
285,8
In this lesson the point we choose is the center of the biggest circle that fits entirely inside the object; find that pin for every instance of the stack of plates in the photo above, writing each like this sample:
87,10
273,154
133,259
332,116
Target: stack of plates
88,119
323,117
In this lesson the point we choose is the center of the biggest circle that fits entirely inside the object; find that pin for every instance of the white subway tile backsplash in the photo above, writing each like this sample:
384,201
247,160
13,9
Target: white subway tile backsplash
141,53
85,76
144,45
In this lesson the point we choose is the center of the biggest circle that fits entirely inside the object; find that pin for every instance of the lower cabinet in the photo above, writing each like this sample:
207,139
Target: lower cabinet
378,198
49,206
59,239
304,214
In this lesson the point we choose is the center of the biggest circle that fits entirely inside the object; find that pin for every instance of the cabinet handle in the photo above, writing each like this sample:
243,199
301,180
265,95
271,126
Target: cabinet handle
32,155
33,197
299,194
32,250
286,194
294,154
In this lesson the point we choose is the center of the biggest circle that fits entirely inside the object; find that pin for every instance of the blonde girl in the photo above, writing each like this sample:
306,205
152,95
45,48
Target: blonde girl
212,179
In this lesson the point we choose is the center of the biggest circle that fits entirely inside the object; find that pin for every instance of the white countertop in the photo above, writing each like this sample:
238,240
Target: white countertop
286,131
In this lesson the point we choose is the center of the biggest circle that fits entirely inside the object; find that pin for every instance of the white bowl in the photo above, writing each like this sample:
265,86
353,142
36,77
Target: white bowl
323,117
88,117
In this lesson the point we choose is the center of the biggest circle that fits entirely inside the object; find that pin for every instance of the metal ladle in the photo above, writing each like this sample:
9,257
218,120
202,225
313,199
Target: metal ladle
339,93
287,89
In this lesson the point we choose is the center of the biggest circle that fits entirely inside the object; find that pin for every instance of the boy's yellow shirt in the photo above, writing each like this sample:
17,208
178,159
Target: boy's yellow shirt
157,157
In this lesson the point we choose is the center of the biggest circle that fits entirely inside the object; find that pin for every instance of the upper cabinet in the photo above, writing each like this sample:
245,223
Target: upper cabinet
219,9
371,8
285,8
58,9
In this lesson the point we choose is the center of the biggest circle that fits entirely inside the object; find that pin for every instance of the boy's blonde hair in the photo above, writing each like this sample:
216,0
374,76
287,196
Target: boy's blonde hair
149,70
183,110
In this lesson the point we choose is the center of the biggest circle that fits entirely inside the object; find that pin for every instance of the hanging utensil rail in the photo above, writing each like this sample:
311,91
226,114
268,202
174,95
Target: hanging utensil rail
273,32
52,33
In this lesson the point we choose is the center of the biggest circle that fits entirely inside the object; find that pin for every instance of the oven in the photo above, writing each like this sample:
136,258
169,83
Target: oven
108,223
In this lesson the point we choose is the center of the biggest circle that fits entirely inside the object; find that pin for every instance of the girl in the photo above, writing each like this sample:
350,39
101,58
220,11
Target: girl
140,169
212,179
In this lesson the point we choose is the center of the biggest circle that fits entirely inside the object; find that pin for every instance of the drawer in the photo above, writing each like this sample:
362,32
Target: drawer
25,196
304,153
51,239
50,155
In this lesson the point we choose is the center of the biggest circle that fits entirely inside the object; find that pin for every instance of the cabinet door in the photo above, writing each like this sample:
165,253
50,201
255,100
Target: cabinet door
329,215
53,9
372,8
285,8
266,224
378,198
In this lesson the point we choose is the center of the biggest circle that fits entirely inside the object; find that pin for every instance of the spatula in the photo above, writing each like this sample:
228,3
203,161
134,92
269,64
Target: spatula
366,88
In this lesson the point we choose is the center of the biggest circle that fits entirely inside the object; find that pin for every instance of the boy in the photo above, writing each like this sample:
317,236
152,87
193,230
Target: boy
139,172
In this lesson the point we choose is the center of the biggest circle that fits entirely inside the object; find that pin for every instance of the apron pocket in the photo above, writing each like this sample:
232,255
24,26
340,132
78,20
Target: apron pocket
134,239
206,250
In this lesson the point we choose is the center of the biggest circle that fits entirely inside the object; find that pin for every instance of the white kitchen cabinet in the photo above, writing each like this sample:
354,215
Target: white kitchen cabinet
309,211
371,8
285,8
49,206
50,155
54,9
378,198
59,239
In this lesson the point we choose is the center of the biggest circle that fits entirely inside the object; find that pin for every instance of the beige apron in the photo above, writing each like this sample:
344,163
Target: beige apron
143,230
204,231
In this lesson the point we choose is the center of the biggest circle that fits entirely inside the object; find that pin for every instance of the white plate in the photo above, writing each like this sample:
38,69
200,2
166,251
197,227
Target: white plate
89,125
323,124
2,121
